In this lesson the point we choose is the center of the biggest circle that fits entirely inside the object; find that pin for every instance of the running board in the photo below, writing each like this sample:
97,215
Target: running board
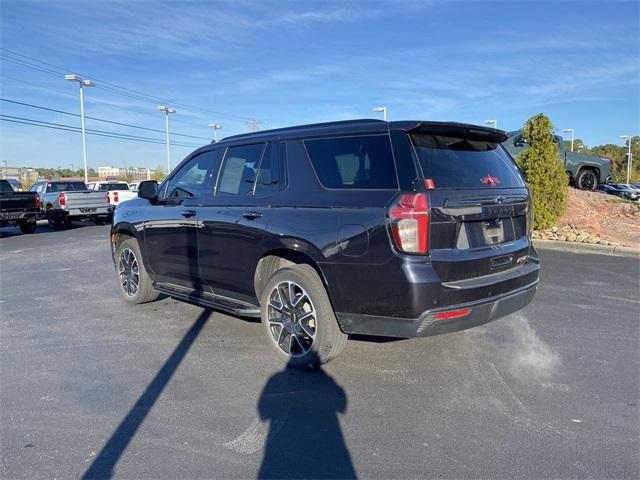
211,300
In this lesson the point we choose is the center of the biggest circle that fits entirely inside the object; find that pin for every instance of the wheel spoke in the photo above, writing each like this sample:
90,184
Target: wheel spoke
299,299
306,328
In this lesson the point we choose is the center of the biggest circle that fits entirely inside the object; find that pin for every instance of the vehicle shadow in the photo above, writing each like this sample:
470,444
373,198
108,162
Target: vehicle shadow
105,461
304,438
43,228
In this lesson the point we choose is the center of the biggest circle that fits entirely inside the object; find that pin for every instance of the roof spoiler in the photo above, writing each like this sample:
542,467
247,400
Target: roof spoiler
461,130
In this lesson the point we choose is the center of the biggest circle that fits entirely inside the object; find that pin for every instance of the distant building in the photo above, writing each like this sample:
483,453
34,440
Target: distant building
139,174
24,175
109,172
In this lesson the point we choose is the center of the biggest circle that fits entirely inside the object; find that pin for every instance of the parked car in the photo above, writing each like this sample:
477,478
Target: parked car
585,171
619,190
134,186
15,184
334,229
116,191
18,208
65,200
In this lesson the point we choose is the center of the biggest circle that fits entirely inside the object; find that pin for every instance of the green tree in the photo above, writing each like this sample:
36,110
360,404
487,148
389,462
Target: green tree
540,163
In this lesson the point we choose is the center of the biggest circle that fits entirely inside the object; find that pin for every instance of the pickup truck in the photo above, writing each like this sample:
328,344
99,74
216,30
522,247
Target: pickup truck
585,171
63,201
116,191
18,208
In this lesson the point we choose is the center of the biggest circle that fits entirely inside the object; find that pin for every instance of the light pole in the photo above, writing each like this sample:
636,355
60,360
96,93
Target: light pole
381,109
215,127
167,111
573,135
83,83
628,137
492,122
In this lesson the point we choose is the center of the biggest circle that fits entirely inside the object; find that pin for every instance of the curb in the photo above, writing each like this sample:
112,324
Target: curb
577,247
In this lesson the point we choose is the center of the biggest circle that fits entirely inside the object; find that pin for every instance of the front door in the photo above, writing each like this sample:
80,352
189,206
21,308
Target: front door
170,232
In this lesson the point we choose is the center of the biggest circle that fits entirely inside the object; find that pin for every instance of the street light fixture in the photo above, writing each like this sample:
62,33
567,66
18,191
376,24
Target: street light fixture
381,109
628,137
492,122
573,134
215,127
83,83
167,111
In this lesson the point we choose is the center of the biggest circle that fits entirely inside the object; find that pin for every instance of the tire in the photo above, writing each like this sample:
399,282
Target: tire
144,291
284,331
53,219
98,220
28,227
586,180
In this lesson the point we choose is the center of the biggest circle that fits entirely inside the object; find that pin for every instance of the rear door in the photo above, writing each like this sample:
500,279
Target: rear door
234,220
479,203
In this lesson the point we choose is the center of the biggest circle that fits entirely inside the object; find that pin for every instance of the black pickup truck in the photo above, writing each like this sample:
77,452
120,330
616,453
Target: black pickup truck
18,208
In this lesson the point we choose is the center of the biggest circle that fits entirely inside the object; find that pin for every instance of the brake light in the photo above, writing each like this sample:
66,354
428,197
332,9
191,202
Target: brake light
429,184
61,199
38,202
611,166
409,219
115,197
452,314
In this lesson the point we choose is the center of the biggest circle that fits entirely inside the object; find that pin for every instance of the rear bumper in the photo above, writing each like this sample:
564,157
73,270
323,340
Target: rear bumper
80,212
480,312
20,216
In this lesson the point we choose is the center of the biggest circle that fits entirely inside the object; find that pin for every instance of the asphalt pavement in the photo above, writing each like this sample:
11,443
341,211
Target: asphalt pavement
93,387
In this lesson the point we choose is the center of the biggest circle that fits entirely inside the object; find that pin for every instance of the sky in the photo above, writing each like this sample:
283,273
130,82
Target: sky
284,63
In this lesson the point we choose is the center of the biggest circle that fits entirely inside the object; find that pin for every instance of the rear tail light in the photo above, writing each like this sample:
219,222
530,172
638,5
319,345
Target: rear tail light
409,223
38,202
115,197
611,166
61,199
452,314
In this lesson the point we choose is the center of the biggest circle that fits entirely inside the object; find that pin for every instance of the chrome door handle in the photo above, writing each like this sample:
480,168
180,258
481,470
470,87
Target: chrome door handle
252,215
188,213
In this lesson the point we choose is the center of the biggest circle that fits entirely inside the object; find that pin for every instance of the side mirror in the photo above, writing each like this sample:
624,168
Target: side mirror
148,189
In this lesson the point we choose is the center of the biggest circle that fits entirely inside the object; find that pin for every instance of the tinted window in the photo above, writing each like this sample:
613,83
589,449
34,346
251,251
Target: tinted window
195,178
362,162
463,163
5,186
268,180
239,170
113,186
65,186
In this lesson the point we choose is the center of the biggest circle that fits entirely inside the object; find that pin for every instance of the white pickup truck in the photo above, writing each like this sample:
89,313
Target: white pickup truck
116,191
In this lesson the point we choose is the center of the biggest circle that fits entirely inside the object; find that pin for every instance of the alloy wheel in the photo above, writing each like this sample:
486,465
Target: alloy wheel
588,181
292,319
129,272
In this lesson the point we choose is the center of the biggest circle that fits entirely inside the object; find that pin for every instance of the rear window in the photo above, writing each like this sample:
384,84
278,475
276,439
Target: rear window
113,186
452,162
363,162
65,186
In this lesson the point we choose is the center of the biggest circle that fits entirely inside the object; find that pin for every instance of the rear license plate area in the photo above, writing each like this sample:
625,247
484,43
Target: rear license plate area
87,210
483,233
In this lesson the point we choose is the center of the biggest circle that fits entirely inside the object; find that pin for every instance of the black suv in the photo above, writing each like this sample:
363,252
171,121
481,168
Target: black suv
397,229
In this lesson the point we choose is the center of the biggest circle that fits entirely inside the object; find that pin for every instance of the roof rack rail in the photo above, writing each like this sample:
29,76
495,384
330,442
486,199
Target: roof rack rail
301,127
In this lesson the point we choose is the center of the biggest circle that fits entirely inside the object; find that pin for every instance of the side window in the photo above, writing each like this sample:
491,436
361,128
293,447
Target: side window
195,178
268,180
363,162
239,170
33,187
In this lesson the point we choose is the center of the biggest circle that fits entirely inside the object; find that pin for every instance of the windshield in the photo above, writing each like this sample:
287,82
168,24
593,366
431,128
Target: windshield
65,186
452,162
113,186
